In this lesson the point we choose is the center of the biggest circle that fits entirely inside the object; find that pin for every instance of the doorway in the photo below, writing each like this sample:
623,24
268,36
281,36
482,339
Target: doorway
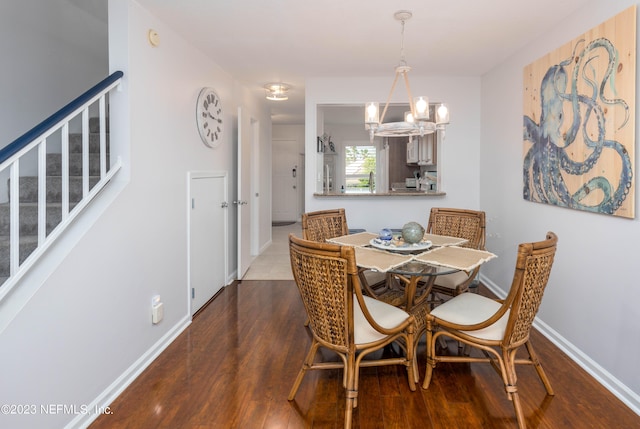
286,178
207,232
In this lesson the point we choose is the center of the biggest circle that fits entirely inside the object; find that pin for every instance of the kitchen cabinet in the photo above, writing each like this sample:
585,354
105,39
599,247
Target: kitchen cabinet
413,147
427,149
422,150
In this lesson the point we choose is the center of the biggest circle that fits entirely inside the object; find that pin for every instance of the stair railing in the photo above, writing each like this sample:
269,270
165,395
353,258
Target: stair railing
36,139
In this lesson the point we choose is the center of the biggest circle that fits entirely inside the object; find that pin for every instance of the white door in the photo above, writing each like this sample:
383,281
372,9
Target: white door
285,178
208,241
244,200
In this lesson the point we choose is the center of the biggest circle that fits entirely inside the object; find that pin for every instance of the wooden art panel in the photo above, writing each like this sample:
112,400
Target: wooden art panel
579,121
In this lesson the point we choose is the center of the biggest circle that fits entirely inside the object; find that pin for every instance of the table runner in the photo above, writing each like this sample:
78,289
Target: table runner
380,260
444,240
461,258
359,239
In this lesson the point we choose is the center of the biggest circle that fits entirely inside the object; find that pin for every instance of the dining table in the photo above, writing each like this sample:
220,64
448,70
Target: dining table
416,266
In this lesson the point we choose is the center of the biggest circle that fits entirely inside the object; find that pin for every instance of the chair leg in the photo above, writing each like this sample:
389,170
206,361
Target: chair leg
427,376
351,390
415,371
522,424
538,367
308,361
348,413
511,385
431,351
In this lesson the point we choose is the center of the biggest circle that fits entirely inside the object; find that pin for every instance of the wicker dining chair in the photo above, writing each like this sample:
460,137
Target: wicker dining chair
325,224
460,223
497,327
344,320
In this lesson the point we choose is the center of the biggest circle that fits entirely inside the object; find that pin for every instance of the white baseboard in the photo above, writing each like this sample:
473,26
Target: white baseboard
630,398
103,401
265,247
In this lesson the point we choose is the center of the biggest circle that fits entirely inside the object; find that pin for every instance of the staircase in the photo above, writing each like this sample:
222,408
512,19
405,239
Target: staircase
29,195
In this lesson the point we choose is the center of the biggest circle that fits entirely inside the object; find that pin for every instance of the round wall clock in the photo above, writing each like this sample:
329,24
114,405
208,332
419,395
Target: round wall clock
209,117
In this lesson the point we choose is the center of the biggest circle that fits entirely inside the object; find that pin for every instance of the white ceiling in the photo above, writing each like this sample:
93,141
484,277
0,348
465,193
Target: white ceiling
259,41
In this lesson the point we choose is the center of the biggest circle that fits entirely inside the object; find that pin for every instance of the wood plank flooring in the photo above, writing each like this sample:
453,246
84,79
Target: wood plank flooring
234,367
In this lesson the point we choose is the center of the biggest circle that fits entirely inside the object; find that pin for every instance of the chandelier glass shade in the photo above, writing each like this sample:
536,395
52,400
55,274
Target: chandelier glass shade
277,91
422,118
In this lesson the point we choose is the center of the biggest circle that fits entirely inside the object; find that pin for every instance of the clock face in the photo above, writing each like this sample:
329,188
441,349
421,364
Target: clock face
209,117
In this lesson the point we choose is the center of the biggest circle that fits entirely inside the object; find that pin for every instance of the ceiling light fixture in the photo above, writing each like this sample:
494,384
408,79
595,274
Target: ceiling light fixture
417,121
277,91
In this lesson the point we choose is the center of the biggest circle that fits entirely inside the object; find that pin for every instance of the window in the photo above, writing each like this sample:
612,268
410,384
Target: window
360,168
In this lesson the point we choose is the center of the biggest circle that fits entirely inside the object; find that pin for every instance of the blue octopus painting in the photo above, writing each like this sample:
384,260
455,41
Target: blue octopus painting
564,149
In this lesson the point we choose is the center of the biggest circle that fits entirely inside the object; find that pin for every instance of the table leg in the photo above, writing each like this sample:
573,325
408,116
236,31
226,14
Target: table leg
411,289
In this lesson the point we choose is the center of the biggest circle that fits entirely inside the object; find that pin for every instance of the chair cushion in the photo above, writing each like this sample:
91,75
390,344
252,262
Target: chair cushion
384,314
450,281
471,308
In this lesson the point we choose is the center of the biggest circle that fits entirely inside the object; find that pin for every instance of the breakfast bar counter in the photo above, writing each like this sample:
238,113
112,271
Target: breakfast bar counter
398,193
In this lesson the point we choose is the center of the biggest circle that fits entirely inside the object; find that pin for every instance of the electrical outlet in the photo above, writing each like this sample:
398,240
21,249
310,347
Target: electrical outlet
157,310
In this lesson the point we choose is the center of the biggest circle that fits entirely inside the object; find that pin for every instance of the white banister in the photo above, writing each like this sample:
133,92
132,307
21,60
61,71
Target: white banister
36,139
42,192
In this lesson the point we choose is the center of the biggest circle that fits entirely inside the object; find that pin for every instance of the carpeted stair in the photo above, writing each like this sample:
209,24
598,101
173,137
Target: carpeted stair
29,195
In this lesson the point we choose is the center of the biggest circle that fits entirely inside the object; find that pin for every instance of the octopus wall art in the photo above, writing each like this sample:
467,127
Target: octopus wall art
579,121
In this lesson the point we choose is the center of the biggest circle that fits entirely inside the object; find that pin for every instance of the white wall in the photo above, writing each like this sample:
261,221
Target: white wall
43,68
590,306
460,152
86,331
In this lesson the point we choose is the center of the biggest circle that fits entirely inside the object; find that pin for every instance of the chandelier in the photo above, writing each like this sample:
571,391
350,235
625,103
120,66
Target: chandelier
277,91
418,121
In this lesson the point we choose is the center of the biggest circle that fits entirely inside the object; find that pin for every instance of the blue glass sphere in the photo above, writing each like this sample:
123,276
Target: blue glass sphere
385,234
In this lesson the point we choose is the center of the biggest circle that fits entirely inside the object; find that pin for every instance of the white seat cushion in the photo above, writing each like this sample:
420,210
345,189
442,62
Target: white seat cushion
471,308
384,314
450,281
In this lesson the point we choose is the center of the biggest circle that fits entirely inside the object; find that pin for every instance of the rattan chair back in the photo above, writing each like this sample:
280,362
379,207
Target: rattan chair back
324,224
533,267
321,273
461,223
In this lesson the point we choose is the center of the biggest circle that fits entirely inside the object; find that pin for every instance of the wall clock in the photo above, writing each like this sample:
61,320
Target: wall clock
209,117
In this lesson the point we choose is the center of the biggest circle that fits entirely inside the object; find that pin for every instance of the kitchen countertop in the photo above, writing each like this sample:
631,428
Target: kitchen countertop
391,193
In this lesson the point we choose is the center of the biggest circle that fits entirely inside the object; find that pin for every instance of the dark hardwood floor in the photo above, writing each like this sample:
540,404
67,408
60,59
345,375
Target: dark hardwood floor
234,367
